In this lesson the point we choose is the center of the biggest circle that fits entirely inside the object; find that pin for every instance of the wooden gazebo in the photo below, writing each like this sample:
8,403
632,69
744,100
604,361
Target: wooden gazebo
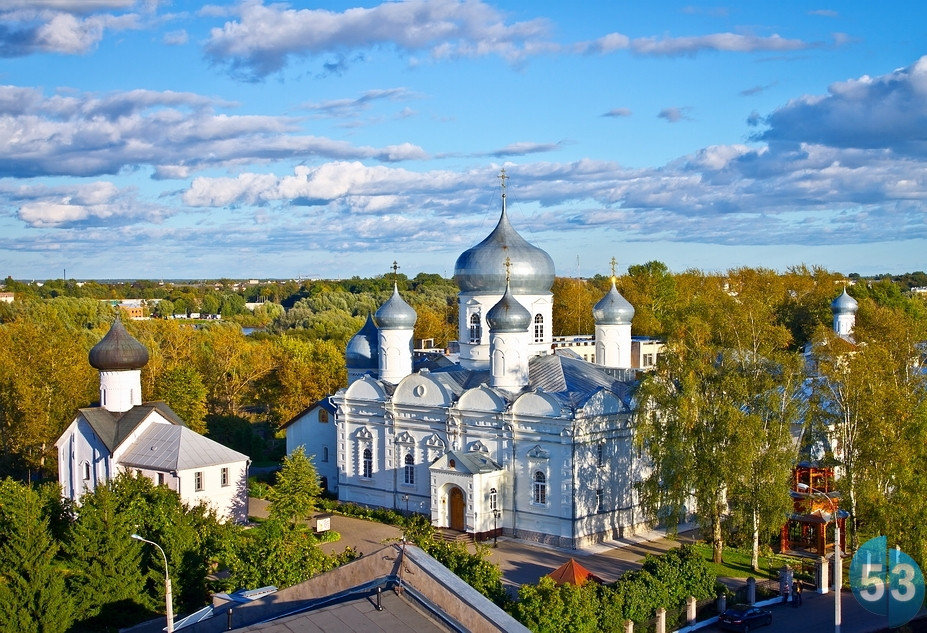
816,505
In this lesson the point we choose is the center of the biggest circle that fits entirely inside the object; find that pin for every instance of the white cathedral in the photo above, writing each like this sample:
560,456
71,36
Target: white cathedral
513,437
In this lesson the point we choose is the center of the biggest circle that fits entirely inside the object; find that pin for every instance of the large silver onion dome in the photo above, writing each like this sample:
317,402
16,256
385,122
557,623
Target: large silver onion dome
508,315
844,304
118,351
363,348
613,309
482,268
395,314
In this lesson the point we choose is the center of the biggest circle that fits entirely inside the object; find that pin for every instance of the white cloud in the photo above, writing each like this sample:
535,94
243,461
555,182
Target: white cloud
174,133
42,206
262,40
889,111
729,42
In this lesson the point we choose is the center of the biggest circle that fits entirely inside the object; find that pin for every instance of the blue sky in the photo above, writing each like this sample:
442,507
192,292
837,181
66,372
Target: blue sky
155,139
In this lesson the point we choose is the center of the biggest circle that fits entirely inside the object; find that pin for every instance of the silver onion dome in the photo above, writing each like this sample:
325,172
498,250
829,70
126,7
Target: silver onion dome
482,269
118,350
613,309
362,351
508,315
844,304
395,314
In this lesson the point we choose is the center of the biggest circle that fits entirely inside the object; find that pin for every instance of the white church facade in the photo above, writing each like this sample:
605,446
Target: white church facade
147,439
515,437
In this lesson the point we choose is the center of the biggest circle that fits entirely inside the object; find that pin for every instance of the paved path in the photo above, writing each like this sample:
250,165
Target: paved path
524,563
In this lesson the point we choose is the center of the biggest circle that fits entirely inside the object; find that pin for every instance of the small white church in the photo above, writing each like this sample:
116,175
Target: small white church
146,439
512,437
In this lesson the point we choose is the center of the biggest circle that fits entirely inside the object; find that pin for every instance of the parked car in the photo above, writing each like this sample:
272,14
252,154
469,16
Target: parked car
743,617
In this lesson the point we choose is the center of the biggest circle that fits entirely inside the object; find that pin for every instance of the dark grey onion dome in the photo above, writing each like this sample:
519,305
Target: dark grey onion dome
482,268
118,351
363,350
508,315
395,314
613,309
844,304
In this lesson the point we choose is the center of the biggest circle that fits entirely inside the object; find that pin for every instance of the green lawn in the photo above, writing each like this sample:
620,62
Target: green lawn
736,563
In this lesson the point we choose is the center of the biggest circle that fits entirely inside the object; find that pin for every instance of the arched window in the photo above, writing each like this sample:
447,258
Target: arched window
599,455
476,330
540,488
493,500
538,328
410,469
368,464
324,453
323,416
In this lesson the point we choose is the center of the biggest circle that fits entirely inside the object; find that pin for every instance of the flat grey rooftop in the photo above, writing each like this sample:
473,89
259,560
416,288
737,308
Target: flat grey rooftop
358,614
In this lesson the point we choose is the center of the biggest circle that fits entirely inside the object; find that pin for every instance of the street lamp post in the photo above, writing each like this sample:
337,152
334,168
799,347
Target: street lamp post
838,560
168,599
406,499
495,527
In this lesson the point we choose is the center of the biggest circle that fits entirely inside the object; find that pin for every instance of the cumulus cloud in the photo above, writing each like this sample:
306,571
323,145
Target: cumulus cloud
69,27
174,133
889,112
264,38
86,204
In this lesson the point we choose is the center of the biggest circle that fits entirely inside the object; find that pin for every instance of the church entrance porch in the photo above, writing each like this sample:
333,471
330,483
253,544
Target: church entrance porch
457,504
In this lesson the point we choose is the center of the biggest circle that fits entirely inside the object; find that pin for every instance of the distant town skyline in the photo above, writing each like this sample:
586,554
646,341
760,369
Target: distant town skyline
149,139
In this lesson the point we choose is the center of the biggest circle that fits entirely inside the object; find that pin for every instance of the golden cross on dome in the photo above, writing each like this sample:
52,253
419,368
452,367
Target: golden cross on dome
395,268
614,264
508,269
503,178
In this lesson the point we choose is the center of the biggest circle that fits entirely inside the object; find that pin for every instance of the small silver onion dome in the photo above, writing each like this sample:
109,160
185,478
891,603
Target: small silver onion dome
613,309
118,351
844,304
481,268
508,315
395,314
362,351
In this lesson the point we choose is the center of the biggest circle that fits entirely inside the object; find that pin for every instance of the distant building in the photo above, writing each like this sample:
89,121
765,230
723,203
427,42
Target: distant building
8,297
511,435
146,439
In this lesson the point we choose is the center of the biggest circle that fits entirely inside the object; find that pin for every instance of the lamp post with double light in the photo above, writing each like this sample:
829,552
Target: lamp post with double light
168,599
838,561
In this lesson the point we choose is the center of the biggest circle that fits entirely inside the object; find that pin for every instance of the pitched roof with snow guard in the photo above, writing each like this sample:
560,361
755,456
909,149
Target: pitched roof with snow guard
113,428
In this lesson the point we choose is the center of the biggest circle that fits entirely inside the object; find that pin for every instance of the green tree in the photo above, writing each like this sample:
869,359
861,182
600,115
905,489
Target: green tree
106,579
294,495
33,596
183,390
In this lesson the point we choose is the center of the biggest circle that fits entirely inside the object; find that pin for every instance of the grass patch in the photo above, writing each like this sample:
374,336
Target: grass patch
736,563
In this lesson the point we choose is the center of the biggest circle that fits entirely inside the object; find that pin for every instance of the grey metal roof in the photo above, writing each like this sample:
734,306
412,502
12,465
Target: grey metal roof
118,350
613,309
395,314
362,351
482,268
844,304
508,315
567,377
114,428
172,447
471,463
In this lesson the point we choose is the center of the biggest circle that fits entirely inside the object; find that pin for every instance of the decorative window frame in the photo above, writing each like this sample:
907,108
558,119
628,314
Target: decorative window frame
478,447
538,328
408,469
364,440
434,447
539,488
539,463
474,328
